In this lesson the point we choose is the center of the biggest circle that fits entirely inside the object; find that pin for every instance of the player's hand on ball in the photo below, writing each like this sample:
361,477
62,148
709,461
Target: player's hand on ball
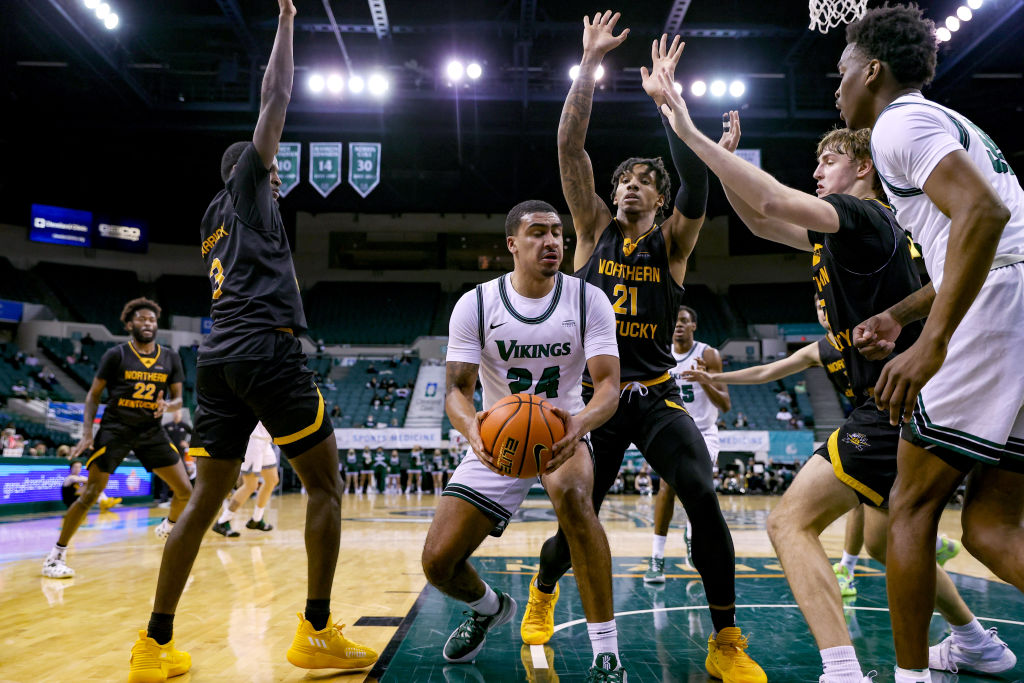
730,139
566,447
597,33
875,338
476,443
84,444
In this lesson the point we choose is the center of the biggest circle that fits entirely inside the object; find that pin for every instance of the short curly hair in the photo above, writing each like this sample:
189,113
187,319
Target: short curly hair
662,180
900,36
140,304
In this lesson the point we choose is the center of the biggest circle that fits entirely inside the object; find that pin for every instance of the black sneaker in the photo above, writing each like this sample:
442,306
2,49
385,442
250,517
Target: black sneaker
225,530
606,669
261,525
467,640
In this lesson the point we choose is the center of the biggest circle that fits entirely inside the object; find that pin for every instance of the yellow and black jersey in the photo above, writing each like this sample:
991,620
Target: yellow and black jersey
636,278
835,367
134,382
859,271
249,262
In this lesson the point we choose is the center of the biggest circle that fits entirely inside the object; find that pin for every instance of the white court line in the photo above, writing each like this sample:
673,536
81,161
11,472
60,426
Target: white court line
539,660
577,622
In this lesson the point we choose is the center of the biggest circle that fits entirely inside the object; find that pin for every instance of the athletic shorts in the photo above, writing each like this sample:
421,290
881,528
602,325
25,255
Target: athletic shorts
259,455
495,495
641,416
277,391
711,441
972,410
350,468
863,454
113,442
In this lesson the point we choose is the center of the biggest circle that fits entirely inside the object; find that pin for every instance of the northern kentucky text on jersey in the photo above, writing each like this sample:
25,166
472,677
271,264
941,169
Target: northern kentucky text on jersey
627,272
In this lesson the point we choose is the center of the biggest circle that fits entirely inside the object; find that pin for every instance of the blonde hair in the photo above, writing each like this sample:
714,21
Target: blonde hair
855,144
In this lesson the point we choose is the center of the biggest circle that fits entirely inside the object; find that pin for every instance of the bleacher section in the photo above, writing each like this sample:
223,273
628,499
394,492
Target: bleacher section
35,432
715,320
86,358
759,404
95,295
370,312
28,287
183,295
14,372
355,399
791,302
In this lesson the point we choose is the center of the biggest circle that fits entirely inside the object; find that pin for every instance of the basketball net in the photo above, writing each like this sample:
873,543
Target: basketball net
827,14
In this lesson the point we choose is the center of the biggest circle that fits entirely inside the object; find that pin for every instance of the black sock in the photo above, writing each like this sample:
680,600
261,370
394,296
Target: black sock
544,588
318,612
161,627
723,618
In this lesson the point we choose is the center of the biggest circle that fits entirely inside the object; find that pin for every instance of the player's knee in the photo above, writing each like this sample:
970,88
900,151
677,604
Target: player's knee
574,504
778,524
982,538
437,566
90,495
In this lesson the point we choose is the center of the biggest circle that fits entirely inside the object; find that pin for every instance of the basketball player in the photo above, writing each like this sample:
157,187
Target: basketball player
260,463
251,369
537,328
958,389
862,262
702,401
137,375
639,263
73,484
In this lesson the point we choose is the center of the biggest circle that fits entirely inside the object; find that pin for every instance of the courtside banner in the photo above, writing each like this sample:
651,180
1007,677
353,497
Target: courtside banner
402,438
745,441
35,482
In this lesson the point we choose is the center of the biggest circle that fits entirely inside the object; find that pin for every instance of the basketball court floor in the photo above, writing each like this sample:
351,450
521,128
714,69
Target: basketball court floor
237,616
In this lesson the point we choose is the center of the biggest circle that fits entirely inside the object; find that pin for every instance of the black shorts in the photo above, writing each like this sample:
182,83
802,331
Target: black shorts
863,454
638,420
279,392
113,442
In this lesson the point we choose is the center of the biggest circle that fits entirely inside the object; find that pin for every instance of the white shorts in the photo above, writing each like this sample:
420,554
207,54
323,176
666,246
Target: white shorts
495,495
711,439
974,405
259,455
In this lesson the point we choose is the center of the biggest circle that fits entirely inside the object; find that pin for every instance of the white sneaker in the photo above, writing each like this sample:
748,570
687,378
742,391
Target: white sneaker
870,678
903,679
993,657
55,568
163,529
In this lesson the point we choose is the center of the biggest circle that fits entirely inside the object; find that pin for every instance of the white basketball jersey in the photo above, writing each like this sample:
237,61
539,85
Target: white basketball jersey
911,136
695,399
536,346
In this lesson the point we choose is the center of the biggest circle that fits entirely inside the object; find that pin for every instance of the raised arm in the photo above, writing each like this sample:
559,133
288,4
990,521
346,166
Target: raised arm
589,211
277,87
806,357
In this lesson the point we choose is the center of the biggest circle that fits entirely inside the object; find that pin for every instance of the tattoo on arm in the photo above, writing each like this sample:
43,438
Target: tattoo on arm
577,173
461,377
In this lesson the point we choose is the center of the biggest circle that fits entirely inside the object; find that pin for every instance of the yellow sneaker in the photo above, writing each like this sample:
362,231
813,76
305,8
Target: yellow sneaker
539,617
728,660
327,649
108,503
545,674
151,662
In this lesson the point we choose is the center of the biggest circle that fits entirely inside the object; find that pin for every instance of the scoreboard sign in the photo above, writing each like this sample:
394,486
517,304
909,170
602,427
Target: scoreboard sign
35,482
59,225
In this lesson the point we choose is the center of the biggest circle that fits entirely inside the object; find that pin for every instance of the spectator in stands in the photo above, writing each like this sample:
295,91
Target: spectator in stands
376,403
372,384
329,383
784,398
320,348
394,422
336,411
87,340
370,370
402,392
720,423
370,421
389,398
41,451
796,422
32,361
19,389
63,451
741,421
783,417
643,483
31,452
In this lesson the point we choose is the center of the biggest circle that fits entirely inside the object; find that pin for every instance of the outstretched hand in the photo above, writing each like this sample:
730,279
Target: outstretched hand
664,58
287,8
598,33
731,137
675,108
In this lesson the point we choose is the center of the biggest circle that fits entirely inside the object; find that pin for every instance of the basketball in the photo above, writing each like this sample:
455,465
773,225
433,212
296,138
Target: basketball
519,431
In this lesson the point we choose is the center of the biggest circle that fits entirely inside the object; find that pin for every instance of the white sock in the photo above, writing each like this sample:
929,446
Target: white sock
58,552
487,605
970,636
658,547
225,516
257,513
849,561
913,675
604,638
840,664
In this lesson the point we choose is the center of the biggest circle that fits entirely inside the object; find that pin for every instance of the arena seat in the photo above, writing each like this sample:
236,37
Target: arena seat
95,295
791,302
370,313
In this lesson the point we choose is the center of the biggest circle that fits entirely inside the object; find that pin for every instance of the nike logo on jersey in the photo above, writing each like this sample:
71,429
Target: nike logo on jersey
493,326
513,349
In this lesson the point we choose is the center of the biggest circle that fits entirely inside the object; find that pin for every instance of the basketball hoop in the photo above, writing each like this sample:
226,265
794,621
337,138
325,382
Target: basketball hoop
827,14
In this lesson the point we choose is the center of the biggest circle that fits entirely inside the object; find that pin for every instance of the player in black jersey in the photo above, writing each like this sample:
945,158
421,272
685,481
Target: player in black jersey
862,263
137,376
639,261
251,369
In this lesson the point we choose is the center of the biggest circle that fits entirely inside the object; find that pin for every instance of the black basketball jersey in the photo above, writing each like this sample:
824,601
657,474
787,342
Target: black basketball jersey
854,293
645,298
134,382
250,267
835,367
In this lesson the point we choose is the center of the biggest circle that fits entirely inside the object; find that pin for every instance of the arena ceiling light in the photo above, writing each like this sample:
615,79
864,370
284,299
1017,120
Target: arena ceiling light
356,84
335,84
91,4
377,84
698,88
678,86
474,71
102,10
964,13
111,21
942,34
575,71
316,83
974,4
455,70
718,88
737,88
953,24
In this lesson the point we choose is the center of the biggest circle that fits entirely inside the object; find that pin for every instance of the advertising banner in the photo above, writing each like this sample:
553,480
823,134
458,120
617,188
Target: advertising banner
401,438
364,166
325,166
35,482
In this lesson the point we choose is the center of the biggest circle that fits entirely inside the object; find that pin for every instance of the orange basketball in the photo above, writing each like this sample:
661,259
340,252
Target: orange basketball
519,432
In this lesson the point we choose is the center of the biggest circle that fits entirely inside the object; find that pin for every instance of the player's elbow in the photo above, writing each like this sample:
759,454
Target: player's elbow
993,213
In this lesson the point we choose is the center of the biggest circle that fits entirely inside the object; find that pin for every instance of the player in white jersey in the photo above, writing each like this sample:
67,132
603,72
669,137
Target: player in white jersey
530,331
703,401
260,463
958,388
